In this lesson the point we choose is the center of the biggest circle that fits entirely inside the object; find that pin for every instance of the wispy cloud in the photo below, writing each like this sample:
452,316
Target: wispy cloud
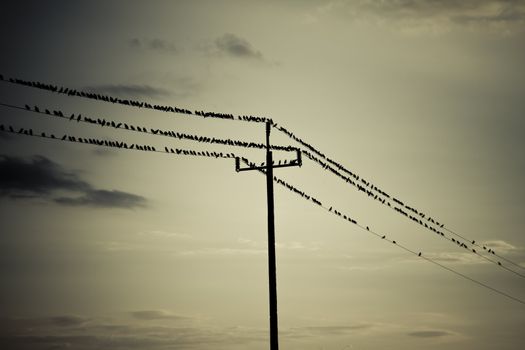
155,315
154,44
500,246
425,16
104,199
456,258
330,330
235,46
222,251
45,334
433,333
40,177
68,320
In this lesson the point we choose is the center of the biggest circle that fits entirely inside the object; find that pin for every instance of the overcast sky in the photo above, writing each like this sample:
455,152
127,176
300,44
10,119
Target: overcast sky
104,248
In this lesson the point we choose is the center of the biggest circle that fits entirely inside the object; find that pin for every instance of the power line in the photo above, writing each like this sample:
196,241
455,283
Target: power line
102,122
362,186
131,103
173,109
485,248
383,237
407,215
114,143
147,148
158,132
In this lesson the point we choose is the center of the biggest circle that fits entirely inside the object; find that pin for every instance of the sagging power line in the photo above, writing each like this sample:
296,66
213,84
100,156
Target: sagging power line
288,186
108,123
430,223
265,168
394,203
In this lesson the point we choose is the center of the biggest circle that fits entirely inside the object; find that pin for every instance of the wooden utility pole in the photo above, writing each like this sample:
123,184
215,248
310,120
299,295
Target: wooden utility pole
272,275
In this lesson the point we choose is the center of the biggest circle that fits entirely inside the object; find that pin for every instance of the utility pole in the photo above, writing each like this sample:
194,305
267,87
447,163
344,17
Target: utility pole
268,169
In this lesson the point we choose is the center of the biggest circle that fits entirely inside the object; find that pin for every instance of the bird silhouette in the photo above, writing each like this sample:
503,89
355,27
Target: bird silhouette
419,254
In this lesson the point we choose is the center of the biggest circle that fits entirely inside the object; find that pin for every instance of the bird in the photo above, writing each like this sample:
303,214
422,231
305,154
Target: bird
394,242
72,116
383,237
499,263
419,254
367,228
27,107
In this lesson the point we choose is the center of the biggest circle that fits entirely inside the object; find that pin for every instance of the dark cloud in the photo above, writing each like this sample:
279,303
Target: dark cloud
154,44
4,136
155,315
40,177
105,199
116,335
129,90
68,321
35,177
233,45
429,334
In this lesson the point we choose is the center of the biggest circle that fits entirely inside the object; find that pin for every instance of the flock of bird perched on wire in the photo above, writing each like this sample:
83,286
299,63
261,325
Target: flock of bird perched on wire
362,185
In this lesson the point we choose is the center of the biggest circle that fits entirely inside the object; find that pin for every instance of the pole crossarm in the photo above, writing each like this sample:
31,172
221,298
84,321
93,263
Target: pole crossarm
284,164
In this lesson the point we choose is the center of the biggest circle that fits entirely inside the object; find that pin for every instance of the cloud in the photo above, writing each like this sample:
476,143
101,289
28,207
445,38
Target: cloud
458,258
103,152
222,252
499,246
105,199
68,321
36,177
129,90
5,136
154,44
235,46
425,16
148,315
330,330
429,334
107,333
39,177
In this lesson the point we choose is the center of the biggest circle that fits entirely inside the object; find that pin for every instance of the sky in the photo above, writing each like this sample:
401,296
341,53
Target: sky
106,248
